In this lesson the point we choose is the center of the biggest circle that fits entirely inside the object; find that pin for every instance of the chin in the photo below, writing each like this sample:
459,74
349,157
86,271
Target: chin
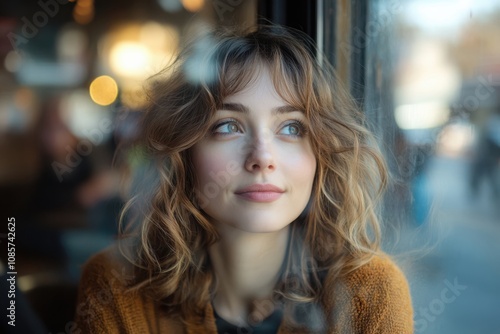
261,223
259,228
262,220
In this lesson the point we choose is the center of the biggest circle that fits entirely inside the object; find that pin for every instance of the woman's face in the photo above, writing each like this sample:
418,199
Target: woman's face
256,140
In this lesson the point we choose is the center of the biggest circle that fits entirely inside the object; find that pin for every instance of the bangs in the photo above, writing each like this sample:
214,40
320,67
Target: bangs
292,78
233,63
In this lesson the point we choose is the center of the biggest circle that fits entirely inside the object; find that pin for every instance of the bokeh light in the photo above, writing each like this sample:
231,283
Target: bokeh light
72,43
83,12
132,96
103,90
170,6
133,52
193,5
12,61
423,115
84,117
129,59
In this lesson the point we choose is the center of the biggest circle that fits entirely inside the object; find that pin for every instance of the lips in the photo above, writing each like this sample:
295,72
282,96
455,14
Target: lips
260,193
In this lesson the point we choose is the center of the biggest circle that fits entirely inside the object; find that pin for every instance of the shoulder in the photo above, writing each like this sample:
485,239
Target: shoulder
105,303
107,268
380,273
374,298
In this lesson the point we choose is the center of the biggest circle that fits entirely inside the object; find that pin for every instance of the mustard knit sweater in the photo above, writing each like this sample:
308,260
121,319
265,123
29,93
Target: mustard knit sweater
373,299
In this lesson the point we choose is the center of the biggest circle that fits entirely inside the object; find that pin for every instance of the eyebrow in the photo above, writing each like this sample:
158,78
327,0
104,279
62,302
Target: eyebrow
238,107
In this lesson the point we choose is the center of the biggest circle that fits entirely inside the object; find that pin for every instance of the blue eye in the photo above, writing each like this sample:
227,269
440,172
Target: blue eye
226,128
295,128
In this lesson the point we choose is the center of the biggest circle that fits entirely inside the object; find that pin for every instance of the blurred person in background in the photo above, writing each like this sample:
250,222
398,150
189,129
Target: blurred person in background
486,157
71,196
54,204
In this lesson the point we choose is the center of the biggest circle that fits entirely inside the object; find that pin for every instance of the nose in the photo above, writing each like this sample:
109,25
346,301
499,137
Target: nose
260,157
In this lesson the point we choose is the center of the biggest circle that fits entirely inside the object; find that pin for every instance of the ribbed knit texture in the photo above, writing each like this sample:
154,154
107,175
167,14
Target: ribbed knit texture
373,299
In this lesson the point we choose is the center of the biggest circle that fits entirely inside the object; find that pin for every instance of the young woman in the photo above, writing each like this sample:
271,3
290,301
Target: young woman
264,216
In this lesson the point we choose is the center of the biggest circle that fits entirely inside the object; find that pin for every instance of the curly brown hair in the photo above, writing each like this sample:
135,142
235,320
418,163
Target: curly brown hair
339,229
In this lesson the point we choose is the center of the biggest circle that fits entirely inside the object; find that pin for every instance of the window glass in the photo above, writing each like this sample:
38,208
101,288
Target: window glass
432,96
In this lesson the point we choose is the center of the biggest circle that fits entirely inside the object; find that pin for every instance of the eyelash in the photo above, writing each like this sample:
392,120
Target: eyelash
218,125
294,121
301,125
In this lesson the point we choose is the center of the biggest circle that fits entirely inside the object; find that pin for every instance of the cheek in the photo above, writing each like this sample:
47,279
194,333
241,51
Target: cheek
301,163
307,169
210,163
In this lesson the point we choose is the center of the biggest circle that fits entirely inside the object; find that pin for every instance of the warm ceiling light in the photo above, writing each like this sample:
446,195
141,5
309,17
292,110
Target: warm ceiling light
130,59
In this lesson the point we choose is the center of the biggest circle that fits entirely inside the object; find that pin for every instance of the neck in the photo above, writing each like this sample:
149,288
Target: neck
247,267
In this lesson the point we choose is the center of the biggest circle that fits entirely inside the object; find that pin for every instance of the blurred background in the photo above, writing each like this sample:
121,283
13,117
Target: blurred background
426,74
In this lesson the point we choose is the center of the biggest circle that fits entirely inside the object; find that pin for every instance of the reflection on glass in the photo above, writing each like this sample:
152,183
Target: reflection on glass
447,110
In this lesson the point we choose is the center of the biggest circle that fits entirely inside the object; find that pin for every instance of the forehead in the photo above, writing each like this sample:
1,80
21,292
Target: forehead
262,84
258,85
